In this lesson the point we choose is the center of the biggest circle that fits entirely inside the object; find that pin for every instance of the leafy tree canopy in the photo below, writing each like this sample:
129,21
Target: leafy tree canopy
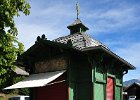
10,47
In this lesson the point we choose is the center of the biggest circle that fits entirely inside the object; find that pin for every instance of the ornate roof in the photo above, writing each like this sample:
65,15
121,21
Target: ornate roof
80,41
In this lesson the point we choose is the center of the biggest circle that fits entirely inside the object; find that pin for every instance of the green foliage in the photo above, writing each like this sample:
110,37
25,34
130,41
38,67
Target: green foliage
9,9
10,47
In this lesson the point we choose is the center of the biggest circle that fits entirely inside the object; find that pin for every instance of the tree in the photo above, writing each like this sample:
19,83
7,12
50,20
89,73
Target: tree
10,47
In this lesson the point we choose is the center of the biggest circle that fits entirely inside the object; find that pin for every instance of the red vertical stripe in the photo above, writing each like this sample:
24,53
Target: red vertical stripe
110,89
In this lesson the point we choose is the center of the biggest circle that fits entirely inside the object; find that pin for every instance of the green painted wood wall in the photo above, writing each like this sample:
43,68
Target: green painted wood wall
99,78
72,90
80,83
99,81
90,82
99,91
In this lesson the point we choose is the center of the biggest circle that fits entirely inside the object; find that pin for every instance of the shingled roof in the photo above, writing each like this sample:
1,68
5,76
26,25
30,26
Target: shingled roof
79,38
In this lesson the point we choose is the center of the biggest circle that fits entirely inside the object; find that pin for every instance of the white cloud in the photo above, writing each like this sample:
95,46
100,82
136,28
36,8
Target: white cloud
50,21
132,74
113,19
111,43
29,32
131,53
52,18
57,10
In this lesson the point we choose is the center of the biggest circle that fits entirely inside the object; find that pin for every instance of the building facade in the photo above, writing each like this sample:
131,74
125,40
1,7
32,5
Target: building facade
73,67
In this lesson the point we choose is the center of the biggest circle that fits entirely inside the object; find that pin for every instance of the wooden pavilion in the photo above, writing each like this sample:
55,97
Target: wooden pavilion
73,67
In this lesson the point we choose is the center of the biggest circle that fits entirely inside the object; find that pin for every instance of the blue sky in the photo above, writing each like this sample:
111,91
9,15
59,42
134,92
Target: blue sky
116,23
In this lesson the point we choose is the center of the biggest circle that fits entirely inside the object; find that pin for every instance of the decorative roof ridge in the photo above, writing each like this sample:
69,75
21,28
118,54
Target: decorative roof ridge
66,36
85,36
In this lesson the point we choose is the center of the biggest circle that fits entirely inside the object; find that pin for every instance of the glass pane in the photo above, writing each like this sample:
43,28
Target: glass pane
26,98
14,98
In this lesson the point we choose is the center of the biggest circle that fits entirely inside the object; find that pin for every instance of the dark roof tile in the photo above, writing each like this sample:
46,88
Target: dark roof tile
80,41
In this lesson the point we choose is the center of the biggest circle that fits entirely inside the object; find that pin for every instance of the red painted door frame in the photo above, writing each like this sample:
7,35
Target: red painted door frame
110,89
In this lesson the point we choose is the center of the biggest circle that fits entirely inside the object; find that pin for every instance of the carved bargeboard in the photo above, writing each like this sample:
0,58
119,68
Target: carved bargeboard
50,65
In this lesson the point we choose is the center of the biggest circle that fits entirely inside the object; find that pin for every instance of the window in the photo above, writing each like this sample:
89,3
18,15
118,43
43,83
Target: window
14,98
26,98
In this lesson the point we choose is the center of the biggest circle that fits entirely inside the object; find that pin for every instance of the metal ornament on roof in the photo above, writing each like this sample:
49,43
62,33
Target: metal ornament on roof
78,9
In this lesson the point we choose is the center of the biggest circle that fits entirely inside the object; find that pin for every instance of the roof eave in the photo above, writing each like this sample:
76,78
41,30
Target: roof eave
130,66
45,42
70,26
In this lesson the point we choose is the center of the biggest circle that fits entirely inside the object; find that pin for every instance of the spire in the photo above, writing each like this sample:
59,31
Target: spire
78,9
77,25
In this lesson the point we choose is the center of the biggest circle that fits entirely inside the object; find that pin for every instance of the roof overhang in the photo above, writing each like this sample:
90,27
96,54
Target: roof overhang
99,49
43,49
134,84
37,80
41,45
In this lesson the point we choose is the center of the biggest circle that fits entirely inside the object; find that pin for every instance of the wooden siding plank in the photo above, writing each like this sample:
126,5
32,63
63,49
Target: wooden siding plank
53,64
84,91
72,91
99,91
118,91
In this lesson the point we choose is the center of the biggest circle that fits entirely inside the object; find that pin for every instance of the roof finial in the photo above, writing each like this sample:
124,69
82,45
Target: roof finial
78,9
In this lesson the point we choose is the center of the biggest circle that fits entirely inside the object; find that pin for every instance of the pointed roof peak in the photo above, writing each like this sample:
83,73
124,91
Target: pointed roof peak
77,22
